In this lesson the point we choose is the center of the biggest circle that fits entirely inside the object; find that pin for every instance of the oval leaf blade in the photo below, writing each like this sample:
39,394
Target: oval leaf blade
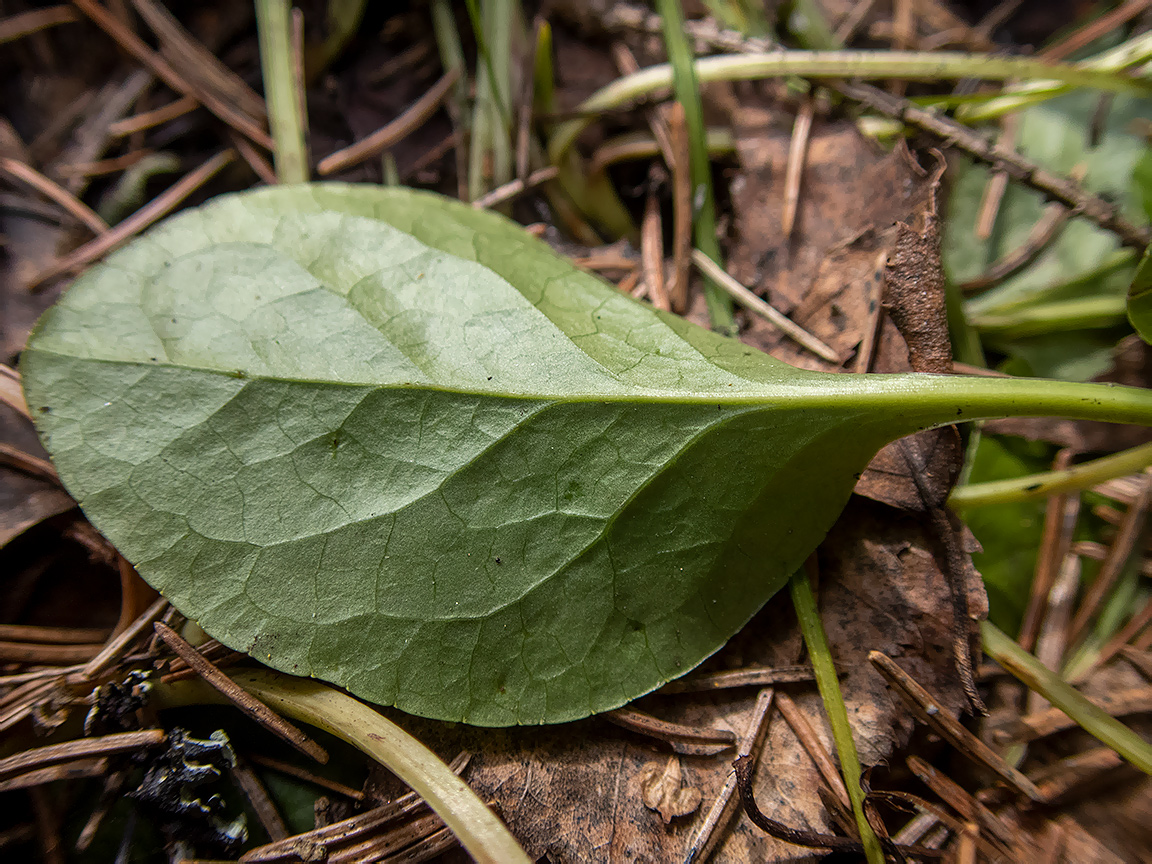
380,438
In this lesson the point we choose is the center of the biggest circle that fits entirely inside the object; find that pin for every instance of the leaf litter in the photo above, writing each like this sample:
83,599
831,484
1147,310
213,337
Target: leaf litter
849,562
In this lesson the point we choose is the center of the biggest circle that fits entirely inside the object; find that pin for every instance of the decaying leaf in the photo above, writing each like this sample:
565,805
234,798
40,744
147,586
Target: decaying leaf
662,789
829,273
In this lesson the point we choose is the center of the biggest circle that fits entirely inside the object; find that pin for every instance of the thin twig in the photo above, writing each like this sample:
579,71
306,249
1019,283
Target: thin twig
14,457
101,167
1046,230
652,253
1052,641
109,796
1058,781
997,183
261,802
32,652
753,303
750,676
722,809
160,67
1105,214
116,646
962,802
693,740
307,776
797,157
348,830
11,391
78,769
245,701
1059,522
76,208
69,751
1091,32
57,635
255,159
149,119
26,23
1132,528
157,208
391,133
514,188
928,710
811,743
1128,632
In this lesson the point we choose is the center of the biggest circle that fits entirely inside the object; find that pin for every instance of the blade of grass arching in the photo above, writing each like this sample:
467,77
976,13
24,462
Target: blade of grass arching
1092,718
1034,486
828,684
688,94
280,91
907,65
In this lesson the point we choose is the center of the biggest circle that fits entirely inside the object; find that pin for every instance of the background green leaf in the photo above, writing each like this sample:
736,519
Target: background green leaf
1083,262
1140,298
380,438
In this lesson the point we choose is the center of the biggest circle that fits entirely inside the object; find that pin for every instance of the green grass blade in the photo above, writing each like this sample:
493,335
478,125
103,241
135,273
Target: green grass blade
1093,719
281,92
688,94
829,685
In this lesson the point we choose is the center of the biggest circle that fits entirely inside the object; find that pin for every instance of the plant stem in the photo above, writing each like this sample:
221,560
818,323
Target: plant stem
280,91
921,400
683,71
1033,486
1093,719
829,685
940,65
483,835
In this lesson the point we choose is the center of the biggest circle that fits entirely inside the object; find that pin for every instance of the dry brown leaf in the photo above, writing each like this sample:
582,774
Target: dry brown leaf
827,274
662,789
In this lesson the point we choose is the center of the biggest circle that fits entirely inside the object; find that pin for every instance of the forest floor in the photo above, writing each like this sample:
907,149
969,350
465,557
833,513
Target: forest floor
878,228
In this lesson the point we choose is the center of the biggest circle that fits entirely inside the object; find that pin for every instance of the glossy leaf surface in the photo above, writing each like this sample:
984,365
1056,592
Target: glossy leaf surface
377,437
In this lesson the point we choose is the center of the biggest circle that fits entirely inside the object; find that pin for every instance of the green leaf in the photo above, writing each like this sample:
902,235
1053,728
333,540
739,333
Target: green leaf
377,437
1009,534
1140,298
1142,177
1083,259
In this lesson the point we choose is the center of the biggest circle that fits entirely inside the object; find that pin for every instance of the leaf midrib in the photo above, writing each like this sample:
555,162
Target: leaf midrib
785,395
